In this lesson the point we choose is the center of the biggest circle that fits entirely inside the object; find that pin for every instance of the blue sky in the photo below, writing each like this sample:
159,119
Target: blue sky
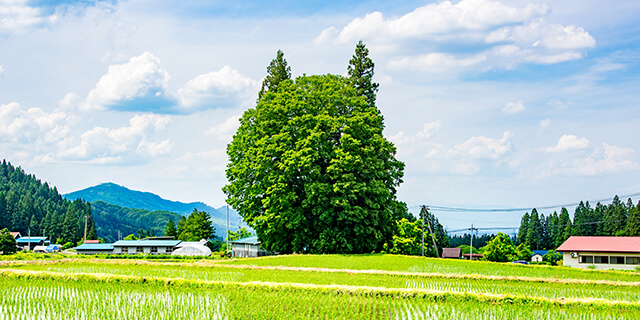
490,103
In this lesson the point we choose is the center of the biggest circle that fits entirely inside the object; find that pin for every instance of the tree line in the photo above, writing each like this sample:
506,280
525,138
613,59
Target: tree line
29,205
541,232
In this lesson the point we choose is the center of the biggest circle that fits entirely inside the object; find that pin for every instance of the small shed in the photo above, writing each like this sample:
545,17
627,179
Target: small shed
452,253
247,248
94,248
537,255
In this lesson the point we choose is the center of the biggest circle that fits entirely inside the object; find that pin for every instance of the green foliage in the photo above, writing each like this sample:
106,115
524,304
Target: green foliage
8,243
500,249
131,237
67,245
196,227
27,204
277,71
170,229
361,72
408,238
310,170
523,252
111,219
553,257
240,234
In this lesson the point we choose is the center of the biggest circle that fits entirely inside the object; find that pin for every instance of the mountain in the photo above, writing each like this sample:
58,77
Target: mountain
115,222
123,197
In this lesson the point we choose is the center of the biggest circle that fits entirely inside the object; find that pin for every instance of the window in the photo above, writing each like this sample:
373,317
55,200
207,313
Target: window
601,259
125,249
139,250
586,259
617,260
633,260
154,249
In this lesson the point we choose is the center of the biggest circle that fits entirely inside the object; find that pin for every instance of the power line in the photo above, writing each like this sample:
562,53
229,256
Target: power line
551,226
457,209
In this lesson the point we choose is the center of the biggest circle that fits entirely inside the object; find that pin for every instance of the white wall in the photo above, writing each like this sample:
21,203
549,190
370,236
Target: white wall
568,261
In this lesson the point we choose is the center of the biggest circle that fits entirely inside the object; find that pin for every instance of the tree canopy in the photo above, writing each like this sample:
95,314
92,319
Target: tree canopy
195,227
500,249
277,71
310,170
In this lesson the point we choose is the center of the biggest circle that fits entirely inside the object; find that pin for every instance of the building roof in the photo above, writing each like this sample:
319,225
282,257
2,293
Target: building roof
249,240
26,240
16,234
146,243
92,241
540,252
95,246
479,255
451,252
601,244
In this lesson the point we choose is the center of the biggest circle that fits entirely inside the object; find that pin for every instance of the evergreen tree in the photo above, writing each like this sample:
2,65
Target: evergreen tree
534,235
616,218
361,72
633,222
524,228
197,226
564,222
5,218
277,71
7,242
170,230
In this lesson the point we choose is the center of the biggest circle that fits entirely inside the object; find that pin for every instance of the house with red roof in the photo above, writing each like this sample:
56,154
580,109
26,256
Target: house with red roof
621,253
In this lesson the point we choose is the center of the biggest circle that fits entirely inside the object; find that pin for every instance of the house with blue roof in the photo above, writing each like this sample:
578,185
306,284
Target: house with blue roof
28,243
94,248
247,248
537,255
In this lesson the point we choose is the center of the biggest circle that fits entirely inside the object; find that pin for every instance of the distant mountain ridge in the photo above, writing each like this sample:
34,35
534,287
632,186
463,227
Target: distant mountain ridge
124,197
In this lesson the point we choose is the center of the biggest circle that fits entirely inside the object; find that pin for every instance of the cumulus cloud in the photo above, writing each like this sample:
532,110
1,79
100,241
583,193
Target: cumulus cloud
32,125
17,16
569,142
223,88
428,130
514,107
436,62
225,130
538,33
435,19
483,147
608,159
137,85
120,145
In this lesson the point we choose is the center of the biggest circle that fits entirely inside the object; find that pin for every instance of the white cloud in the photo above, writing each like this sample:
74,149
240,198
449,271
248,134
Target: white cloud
569,142
544,124
225,87
437,18
436,62
225,130
141,77
104,145
70,101
538,33
484,148
514,107
609,159
32,125
1,70
18,16
428,130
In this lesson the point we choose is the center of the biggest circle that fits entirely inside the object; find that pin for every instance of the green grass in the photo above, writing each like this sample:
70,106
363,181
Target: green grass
433,265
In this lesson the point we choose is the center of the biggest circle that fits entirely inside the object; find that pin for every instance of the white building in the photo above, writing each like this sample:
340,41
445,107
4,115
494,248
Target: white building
601,252
247,247
188,248
145,246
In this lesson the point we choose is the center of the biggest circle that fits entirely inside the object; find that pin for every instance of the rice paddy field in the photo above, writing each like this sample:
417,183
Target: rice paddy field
312,287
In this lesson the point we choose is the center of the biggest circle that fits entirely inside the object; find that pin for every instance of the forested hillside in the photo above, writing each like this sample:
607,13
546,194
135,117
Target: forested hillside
126,198
548,232
111,219
27,204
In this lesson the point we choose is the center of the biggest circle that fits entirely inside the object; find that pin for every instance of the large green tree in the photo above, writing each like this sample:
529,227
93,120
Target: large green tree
500,249
277,71
197,227
310,170
7,242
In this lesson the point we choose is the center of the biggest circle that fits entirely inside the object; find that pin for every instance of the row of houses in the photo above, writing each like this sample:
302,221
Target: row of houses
157,245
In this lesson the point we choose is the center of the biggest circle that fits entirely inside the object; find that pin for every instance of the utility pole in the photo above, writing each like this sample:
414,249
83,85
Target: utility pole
29,241
433,236
227,228
85,229
422,213
471,244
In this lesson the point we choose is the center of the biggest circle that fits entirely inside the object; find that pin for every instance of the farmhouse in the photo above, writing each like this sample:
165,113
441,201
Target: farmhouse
148,246
247,247
537,255
601,252
94,248
28,243
452,253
